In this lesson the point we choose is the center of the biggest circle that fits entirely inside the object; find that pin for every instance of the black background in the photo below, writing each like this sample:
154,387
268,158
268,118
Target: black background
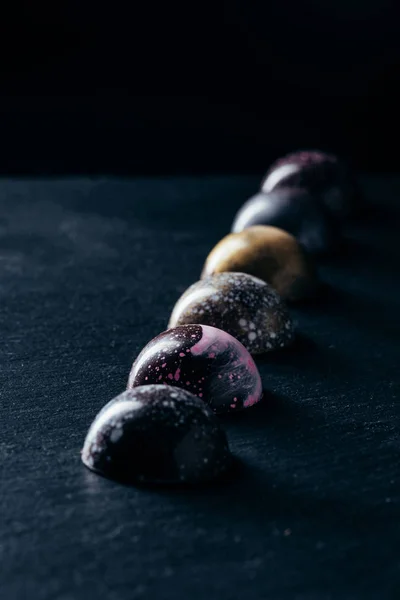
213,86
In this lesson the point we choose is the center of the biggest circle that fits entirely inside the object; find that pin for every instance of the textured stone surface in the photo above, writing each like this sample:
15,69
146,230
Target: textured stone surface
204,360
244,306
157,434
294,210
314,511
269,253
319,172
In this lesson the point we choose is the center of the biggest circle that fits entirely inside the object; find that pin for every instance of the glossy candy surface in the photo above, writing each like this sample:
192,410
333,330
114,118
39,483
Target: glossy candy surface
157,434
294,210
320,173
244,306
204,360
269,253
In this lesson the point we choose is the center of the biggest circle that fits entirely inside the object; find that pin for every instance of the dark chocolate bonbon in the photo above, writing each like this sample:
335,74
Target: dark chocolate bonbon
244,306
157,434
204,360
320,173
296,211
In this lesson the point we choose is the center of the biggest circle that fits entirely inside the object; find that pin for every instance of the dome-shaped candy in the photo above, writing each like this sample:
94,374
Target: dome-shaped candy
204,360
320,173
294,210
157,434
244,306
269,253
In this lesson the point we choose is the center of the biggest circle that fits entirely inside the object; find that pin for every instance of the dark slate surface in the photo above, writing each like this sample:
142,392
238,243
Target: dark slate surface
89,272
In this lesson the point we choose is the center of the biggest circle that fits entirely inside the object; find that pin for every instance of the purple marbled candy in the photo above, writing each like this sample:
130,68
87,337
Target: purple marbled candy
204,360
321,173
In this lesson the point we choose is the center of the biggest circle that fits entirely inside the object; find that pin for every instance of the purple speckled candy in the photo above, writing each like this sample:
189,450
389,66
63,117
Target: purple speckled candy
157,434
204,360
320,173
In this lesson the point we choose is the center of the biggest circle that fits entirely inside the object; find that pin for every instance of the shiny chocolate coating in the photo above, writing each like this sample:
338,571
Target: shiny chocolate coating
268,253
242,305
294,210
157,434
320,173
208,362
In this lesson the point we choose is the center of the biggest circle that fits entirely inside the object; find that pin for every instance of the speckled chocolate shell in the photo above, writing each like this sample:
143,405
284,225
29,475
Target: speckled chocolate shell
321,173
294,210
157,434
269,253
204,360
244,306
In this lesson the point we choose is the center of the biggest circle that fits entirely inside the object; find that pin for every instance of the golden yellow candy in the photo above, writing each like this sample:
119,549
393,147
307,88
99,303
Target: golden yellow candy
268,253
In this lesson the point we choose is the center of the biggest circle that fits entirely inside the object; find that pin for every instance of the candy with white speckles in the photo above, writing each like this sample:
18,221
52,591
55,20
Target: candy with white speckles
246,307
295,210
321,173
204,360
157,434
269,253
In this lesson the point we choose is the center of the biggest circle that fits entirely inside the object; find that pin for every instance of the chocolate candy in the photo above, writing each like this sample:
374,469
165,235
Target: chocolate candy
244,306
157,434
269,253
320,173
296,211
204,360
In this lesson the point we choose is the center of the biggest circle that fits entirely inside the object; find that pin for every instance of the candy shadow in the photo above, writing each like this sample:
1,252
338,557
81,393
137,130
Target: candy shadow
256,498
277,417
285,500
231,474
379,215
365,313
305,356
378,257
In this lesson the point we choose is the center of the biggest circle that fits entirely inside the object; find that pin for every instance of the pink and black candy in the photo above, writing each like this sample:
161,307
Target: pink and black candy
204,360
157,434
320,173
294,210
